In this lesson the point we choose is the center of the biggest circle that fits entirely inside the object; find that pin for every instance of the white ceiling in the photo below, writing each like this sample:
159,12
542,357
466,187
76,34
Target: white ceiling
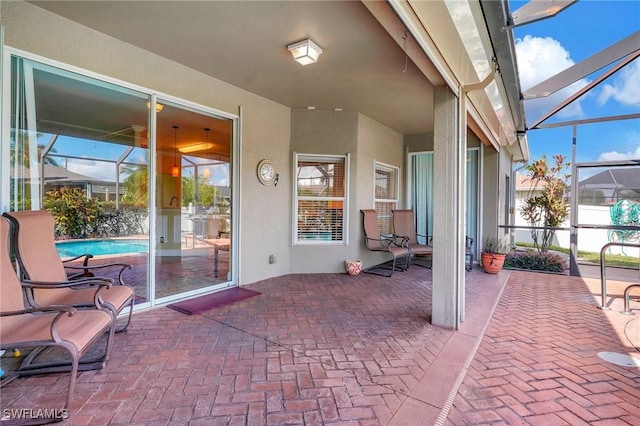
245,44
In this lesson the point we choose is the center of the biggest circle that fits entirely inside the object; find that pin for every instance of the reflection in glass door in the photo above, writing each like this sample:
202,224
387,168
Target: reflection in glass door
78,150
193,201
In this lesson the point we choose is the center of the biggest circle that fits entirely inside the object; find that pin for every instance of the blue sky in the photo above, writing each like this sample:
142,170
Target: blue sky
546,47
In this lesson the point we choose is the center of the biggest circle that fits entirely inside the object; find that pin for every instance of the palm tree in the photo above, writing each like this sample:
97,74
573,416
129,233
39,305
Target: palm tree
22,156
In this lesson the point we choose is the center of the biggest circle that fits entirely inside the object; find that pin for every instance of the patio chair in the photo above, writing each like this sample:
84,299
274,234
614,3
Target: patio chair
35,250
404,225
388,243
76,330
468,252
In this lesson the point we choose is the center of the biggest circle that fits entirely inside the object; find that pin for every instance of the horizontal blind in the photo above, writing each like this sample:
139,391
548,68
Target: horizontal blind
320,199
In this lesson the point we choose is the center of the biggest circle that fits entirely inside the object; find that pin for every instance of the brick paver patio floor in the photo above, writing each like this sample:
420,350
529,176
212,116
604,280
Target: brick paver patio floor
336,349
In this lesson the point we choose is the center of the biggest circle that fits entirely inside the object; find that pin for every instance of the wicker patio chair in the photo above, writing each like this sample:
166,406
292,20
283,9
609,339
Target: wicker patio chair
76,330
34,246
388,243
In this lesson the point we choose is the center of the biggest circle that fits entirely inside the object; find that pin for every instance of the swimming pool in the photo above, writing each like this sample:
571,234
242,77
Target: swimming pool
100,247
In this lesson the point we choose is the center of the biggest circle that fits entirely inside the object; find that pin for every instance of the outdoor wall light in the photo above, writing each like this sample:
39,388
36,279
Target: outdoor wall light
305,52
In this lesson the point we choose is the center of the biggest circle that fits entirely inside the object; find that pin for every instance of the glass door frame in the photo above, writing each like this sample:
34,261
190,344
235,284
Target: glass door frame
7,53
234,217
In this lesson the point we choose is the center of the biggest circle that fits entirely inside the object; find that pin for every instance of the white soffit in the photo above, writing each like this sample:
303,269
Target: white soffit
385,15
477,45
465,46
469,21
423,36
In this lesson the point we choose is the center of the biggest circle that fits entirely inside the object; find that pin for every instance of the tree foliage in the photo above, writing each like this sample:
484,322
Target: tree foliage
136,188
548,205
74,213
207,193
22,156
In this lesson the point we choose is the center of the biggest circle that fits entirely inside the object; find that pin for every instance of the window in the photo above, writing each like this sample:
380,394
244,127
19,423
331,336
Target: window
320,199
385,190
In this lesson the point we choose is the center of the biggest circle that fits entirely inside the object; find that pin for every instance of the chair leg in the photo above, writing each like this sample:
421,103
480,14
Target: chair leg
72,380
380,267
128,321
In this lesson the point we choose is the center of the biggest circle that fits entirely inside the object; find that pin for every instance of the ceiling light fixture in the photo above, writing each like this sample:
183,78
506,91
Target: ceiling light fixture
201,146
305,52
175,170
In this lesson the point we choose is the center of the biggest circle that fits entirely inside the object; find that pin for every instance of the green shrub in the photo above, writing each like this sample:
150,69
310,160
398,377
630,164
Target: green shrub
534,260
74,213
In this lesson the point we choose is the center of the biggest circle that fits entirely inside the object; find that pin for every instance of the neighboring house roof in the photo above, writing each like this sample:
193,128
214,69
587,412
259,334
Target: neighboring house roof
55,175
524,183
617,178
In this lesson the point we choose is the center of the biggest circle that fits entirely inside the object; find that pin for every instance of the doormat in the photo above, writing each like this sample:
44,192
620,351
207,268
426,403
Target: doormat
201,304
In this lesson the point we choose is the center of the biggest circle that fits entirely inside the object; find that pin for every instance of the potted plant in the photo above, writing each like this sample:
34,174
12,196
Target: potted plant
493,253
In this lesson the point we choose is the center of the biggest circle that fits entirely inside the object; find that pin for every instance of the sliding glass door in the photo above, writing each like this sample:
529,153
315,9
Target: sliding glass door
193,201
421,192
128,177
75,146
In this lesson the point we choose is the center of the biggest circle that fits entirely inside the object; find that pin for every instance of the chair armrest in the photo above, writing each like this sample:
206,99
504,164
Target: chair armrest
398,240
83,283
429,238
52,308
383,241
85,262
468,241
86,270
98,283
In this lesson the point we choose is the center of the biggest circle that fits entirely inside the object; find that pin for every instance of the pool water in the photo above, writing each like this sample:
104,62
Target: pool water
100,247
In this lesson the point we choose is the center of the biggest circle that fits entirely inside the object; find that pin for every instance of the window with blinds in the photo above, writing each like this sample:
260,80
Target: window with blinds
386,195
321,195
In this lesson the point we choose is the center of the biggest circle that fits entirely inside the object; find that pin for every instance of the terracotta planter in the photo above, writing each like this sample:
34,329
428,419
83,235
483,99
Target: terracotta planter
492,262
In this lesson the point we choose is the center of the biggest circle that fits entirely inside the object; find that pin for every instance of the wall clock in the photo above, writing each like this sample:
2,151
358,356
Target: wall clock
266,172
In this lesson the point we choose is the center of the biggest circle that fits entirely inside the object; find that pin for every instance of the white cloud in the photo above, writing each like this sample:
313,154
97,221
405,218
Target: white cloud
616,156
538,59
98,171
624,87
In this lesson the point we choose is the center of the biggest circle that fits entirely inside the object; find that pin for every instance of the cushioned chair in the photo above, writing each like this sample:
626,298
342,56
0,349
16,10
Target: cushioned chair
404,225
34,246
388,243
76,330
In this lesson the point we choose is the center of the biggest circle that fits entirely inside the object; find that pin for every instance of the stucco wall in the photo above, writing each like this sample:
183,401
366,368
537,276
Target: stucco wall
330,132
375,143
419,143
265,211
